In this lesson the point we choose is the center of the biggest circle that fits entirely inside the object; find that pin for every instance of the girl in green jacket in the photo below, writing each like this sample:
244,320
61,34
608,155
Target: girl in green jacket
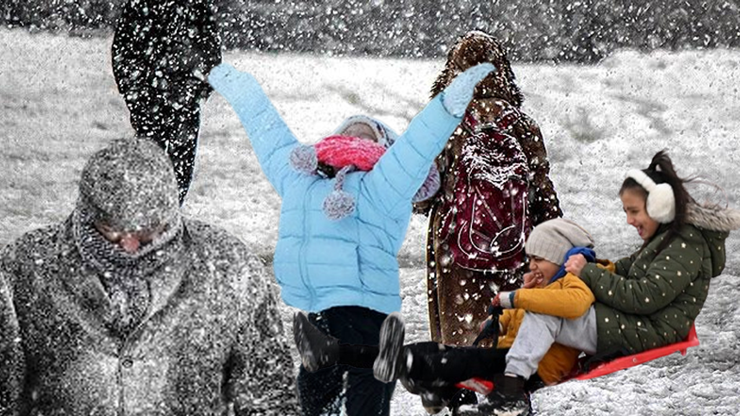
652,297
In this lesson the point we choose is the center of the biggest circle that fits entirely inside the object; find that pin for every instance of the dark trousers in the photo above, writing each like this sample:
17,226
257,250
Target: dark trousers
328,391
437,367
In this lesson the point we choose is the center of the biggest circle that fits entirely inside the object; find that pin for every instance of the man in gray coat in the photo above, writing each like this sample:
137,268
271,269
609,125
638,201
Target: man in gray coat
126,308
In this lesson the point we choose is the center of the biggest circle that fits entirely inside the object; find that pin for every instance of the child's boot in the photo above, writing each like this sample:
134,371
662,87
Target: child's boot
391,361
317,350
509,398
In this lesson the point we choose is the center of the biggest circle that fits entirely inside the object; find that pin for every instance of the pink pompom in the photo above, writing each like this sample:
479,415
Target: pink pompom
341,151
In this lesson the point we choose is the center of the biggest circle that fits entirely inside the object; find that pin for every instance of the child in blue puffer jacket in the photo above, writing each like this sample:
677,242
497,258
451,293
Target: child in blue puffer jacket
339,236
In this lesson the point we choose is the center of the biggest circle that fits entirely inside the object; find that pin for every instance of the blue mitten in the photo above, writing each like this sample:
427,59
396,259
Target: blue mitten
459,93
232,84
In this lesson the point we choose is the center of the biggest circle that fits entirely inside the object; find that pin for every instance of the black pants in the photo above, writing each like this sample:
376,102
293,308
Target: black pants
437,367
328,391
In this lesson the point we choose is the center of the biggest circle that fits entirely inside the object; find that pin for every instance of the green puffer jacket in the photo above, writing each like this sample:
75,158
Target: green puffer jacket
653,297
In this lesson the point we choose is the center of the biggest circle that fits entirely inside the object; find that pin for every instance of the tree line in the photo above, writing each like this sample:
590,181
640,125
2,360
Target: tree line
534,30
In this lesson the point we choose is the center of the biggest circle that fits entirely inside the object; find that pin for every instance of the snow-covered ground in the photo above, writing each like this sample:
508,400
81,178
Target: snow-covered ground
59,103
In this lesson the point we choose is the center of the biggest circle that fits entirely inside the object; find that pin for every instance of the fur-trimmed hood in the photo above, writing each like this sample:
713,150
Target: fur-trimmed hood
473,48
714,223
713,217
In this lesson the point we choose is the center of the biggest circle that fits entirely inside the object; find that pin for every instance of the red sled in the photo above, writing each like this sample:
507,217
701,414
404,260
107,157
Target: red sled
485,387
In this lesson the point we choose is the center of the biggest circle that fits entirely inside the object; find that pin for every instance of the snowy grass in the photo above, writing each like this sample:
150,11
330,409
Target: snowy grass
58,104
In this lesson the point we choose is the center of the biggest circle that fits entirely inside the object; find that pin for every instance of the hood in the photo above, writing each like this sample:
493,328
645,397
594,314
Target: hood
384,135
715,224
713,217
474,48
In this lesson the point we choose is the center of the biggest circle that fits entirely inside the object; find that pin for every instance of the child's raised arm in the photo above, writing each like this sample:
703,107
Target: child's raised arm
400,172
271,138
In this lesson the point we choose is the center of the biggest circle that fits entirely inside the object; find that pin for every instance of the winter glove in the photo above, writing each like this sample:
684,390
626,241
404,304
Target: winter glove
491,326
458,94
231,83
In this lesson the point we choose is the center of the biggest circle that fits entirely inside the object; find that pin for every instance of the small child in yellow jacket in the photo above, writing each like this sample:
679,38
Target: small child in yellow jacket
549,290
433,370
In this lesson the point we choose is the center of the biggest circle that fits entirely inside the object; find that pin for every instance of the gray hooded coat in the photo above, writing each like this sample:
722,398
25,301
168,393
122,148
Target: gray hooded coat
188,325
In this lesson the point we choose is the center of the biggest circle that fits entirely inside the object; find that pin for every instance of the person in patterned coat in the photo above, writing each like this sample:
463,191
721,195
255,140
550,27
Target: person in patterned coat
128,308
458,295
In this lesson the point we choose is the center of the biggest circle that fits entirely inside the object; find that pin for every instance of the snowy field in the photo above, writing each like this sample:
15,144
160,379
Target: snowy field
59,103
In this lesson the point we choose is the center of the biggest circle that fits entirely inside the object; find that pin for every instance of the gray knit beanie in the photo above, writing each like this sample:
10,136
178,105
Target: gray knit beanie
552,239
131,186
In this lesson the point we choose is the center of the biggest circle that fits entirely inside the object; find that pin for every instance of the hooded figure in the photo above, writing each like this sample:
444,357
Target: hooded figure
496,132
346,205
127,308
159,52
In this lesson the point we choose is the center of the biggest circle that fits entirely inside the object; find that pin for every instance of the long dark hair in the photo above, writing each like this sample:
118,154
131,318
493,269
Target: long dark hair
661,170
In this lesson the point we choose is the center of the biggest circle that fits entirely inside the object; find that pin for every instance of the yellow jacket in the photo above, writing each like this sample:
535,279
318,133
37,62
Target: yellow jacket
567,297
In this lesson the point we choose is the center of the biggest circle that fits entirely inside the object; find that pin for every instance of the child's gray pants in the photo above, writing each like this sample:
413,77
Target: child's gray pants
538,332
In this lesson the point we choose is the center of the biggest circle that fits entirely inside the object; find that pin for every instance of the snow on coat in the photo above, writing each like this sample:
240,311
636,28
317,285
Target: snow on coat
322,263
211,340
653,297
185,324
158,49
459,298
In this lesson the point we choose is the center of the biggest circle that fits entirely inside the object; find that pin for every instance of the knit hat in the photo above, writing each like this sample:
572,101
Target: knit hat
131,186
348,153
552,239
384,136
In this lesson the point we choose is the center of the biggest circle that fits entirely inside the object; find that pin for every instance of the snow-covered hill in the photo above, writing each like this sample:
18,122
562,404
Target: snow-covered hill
59,103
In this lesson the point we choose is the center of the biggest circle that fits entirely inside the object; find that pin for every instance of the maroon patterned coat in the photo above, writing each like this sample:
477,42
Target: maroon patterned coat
459,297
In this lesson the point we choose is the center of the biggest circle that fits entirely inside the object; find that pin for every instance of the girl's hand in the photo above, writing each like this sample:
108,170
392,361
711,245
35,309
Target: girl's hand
575,264
458,94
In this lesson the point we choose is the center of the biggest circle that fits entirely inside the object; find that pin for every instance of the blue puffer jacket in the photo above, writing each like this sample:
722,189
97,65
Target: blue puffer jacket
321,263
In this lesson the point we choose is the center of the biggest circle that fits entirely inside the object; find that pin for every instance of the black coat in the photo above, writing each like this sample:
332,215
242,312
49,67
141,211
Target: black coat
162,51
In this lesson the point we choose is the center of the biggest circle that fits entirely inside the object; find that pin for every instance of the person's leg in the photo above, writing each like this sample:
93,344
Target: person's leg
174,127
432,362
358,356
535,337
319,350
162,79
537,334
365,395
435,370
319,391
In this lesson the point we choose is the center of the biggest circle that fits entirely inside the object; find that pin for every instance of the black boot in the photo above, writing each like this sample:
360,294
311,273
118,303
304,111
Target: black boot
317,350
390,363
461,398
508,397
